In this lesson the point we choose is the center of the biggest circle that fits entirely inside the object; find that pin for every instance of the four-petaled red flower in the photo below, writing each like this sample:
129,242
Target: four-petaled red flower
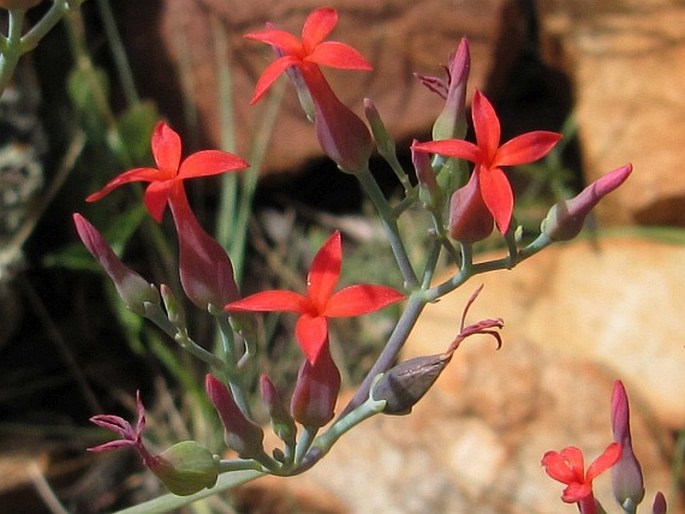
166,149
568,468
489,156
307,53
320,302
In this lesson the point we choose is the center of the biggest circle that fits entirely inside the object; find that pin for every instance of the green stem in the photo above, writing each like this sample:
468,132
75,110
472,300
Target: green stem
12,47
390,222
304,443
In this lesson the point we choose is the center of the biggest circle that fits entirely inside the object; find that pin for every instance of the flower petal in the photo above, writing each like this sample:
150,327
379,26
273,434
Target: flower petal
317,26
338,55
452,148
497,196
279,38
166,147
270,74
486,126
210,162
134,175
559,468
156,198
526,148
361,299
269,301
325,272
609,457
576,492
311,333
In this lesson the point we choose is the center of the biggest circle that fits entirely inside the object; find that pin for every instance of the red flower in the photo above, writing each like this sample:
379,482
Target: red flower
568,468
307,53
489,156
166,149
320,302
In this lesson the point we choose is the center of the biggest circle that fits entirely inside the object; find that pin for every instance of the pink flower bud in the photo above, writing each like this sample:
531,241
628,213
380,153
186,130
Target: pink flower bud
204,266
626,475
316,391
451,122
133,289
565,219
659,505
470,219
241,434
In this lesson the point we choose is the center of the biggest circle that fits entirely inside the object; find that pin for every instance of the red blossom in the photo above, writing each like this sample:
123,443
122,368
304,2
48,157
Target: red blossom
568,467
306,53
320,302
489,156
166,150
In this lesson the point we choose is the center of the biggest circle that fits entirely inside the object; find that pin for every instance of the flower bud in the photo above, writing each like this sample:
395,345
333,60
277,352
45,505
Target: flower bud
451,122
186,468
565,219
295,76
405,384
429,191
174,309
316,391
133,289
241,433
626,475
659,505
384,143
281,421
470,220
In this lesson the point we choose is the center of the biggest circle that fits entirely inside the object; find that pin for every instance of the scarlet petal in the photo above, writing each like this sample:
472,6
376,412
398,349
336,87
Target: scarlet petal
526,148
269,301
486,126
210,162
325,271
361,299
609,457
576,492
156,198
166,147
134,175
270,74
497,196
452,148
284,40
317,26
311,333
338,55
559,468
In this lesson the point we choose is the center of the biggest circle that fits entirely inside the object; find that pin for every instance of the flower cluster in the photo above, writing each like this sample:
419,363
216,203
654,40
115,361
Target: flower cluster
473,202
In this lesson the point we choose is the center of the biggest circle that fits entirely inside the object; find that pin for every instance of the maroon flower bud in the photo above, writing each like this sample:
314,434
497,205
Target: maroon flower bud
429,191
241,433
316,391
659,505
133,289
565,219
281,421
470,219
626,475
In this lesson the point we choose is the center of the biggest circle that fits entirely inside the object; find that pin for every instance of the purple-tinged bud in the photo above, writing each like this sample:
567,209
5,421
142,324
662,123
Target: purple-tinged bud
342,134
626,475
451,122
295,76
205,268
186,468
133,289
316,391
281,421
384,143
405,384
565,219
429,191
241,434
470,220
659,505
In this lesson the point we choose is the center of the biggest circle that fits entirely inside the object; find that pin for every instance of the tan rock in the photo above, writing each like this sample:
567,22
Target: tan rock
626,59
178,46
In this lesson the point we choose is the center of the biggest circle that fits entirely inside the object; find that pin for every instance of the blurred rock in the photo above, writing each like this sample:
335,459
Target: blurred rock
626,59
177,47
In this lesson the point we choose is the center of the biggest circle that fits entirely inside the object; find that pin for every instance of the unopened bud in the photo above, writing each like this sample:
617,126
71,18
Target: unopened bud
241,433
316,391
186,468
384,143
451,123
470,220
405,384
133,289
429,191
174,309
565,219
281,421
659,505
